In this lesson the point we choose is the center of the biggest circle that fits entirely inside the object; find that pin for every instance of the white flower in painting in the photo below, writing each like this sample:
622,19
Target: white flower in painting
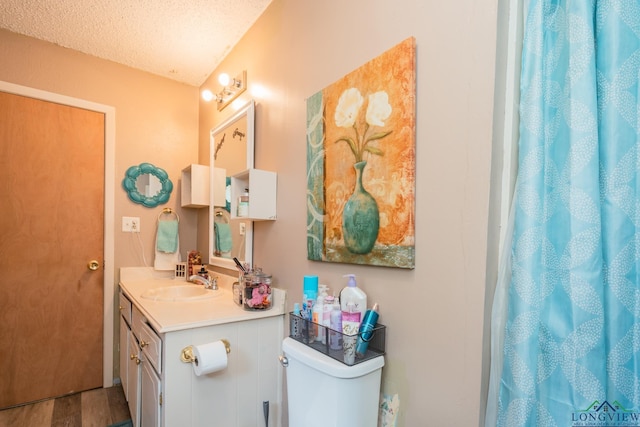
379,108
364,134
348,106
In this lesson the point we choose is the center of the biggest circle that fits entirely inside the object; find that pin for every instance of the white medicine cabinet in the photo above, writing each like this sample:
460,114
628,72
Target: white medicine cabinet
262,194
195,186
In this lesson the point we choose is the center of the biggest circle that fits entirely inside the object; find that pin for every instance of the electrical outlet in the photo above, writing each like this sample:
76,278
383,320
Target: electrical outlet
131,224
243,228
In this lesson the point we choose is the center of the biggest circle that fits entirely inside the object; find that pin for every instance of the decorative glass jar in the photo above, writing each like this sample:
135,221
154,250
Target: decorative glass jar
257,290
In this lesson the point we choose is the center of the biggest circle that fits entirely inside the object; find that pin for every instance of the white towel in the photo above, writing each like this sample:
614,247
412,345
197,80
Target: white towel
166,261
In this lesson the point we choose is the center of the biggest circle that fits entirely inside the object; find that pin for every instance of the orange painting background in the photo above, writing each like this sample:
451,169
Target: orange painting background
389,178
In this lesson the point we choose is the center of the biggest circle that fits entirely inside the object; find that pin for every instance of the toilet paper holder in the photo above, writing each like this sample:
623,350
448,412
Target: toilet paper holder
186,355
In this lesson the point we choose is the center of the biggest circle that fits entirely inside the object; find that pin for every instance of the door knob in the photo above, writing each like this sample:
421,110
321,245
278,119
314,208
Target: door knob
93,265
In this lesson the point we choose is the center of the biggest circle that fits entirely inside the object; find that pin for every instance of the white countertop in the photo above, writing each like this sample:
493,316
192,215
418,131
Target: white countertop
168,316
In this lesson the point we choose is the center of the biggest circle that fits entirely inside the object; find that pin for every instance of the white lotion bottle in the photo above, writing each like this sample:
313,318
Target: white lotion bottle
326,316
353,294
327,302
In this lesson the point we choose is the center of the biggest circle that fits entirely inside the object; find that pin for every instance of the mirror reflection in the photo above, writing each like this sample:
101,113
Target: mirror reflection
147,185
229,238
231,153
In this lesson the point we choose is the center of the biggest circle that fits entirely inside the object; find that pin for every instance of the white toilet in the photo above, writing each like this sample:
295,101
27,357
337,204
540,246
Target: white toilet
323,392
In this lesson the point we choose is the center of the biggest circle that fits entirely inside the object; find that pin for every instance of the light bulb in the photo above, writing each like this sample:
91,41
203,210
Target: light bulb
224,79
207,95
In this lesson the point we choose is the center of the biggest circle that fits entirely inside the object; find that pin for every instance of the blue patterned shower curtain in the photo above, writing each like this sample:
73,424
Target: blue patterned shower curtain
570,338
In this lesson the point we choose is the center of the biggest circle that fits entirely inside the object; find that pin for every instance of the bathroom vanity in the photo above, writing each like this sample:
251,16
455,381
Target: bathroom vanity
162,389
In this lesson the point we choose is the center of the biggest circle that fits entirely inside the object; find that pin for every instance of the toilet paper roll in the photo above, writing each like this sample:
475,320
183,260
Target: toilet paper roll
211,357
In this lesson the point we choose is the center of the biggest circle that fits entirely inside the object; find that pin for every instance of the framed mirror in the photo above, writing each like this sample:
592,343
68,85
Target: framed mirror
231,152
147,185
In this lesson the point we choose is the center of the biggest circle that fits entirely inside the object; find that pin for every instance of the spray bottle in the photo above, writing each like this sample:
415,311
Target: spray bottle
365,332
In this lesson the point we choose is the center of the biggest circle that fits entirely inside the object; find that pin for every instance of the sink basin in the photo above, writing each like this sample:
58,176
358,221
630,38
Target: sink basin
179,293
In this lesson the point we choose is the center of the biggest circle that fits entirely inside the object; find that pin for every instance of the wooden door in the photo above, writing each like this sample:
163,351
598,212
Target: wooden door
51,226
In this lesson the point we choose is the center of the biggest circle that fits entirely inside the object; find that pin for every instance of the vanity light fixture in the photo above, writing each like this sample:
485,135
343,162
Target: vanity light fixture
231,89
207,95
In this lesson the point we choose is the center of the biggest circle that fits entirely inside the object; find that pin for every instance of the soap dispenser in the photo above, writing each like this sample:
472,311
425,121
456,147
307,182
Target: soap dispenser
203,273
353,294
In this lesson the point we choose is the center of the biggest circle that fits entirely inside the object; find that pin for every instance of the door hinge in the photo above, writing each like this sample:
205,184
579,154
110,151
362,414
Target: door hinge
160,398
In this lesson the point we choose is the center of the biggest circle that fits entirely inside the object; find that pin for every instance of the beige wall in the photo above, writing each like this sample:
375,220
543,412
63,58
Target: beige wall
434,313
156,122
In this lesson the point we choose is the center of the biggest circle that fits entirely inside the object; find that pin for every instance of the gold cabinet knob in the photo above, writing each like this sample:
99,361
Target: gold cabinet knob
93,265
136,358
143,344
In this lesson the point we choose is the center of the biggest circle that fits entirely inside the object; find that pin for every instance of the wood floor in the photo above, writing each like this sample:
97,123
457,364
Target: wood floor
94,408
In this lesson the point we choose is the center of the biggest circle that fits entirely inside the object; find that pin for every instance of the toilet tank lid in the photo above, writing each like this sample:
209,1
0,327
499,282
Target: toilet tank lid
325,364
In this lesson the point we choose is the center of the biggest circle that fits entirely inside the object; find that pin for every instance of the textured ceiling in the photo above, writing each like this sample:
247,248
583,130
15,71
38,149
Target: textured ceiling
183,40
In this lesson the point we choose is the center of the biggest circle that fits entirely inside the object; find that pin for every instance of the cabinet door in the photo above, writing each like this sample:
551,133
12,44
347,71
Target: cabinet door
124,356
133,385
151,346
150,397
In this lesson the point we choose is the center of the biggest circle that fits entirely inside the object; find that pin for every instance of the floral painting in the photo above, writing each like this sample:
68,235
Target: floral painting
361,164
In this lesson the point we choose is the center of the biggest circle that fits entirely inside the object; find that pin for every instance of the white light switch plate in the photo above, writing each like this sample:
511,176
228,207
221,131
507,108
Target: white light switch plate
131,224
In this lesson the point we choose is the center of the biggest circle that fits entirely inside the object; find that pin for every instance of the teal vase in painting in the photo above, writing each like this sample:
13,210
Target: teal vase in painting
360,217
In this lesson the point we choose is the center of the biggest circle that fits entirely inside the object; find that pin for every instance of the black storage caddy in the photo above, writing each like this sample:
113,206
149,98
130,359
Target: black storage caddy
299,329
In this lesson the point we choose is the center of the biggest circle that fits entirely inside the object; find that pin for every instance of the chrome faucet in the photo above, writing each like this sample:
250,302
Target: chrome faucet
208,284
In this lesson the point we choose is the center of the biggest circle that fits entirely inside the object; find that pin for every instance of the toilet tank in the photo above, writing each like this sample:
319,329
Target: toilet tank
323,392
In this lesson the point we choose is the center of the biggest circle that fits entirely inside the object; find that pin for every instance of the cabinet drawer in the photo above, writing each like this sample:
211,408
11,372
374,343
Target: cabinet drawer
151,346
125,308
137,320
